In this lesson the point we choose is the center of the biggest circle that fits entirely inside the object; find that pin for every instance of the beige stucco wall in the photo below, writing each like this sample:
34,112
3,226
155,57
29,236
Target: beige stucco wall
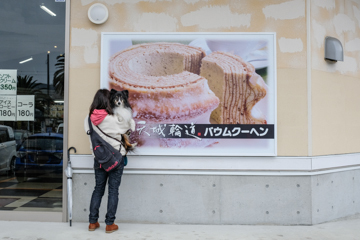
335,98
286,18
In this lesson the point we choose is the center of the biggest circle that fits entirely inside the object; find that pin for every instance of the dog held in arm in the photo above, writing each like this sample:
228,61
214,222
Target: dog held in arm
123,111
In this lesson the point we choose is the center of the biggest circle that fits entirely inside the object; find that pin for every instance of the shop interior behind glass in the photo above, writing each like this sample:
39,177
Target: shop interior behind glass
32,58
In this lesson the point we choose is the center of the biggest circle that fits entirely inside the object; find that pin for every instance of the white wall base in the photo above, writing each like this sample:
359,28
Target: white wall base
330,189
183,164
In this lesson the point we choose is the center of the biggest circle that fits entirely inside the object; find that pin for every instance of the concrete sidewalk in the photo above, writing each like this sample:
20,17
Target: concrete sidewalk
347,229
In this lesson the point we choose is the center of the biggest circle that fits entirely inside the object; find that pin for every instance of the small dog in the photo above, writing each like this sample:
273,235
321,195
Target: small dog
122,109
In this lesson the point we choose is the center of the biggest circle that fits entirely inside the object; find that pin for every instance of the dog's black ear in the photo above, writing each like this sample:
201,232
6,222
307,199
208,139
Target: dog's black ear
126,93
113,91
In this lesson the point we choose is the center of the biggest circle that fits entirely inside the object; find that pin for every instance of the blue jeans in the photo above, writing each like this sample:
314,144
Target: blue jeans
101,176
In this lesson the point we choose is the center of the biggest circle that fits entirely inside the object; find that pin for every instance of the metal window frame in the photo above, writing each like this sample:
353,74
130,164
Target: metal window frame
52,216
66,108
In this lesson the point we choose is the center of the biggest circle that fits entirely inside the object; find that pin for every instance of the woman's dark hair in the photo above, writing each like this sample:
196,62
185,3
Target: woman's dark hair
101,101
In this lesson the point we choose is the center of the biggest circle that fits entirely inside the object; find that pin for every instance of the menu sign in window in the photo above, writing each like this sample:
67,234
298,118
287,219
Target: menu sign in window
8,81
14,107
8,108
25,108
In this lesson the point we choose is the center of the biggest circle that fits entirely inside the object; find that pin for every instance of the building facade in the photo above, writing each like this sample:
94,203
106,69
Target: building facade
314,175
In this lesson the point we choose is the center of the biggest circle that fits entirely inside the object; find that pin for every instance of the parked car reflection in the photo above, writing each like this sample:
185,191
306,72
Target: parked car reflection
39,154
60,128
20,135
7,149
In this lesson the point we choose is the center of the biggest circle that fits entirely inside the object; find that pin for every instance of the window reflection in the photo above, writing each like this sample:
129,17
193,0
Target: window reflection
31,150
39,154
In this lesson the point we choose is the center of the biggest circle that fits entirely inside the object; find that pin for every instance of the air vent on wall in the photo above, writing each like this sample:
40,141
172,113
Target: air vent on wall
333,50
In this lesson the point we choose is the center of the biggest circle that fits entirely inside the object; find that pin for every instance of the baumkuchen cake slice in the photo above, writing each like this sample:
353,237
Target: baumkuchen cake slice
164,85
163,81
237,85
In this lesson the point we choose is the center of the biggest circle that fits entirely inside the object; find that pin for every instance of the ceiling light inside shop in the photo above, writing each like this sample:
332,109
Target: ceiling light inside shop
47,10
55,46
26,60
59,101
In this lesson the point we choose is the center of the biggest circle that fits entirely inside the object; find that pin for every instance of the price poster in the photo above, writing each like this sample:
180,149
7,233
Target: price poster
25,108
8,81
7,108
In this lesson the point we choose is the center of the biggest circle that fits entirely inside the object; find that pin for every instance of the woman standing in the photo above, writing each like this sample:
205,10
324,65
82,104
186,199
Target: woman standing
101,116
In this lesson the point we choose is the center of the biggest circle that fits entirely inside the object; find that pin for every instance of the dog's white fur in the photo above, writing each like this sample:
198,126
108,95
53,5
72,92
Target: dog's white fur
124,116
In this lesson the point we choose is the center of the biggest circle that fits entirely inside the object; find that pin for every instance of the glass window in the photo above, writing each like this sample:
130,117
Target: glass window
43,143
3,135
32,47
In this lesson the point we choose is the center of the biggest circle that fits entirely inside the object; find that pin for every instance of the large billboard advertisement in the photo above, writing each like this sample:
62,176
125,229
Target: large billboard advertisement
210,94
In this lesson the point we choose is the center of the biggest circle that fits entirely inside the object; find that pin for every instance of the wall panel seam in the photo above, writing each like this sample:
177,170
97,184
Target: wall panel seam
308,73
